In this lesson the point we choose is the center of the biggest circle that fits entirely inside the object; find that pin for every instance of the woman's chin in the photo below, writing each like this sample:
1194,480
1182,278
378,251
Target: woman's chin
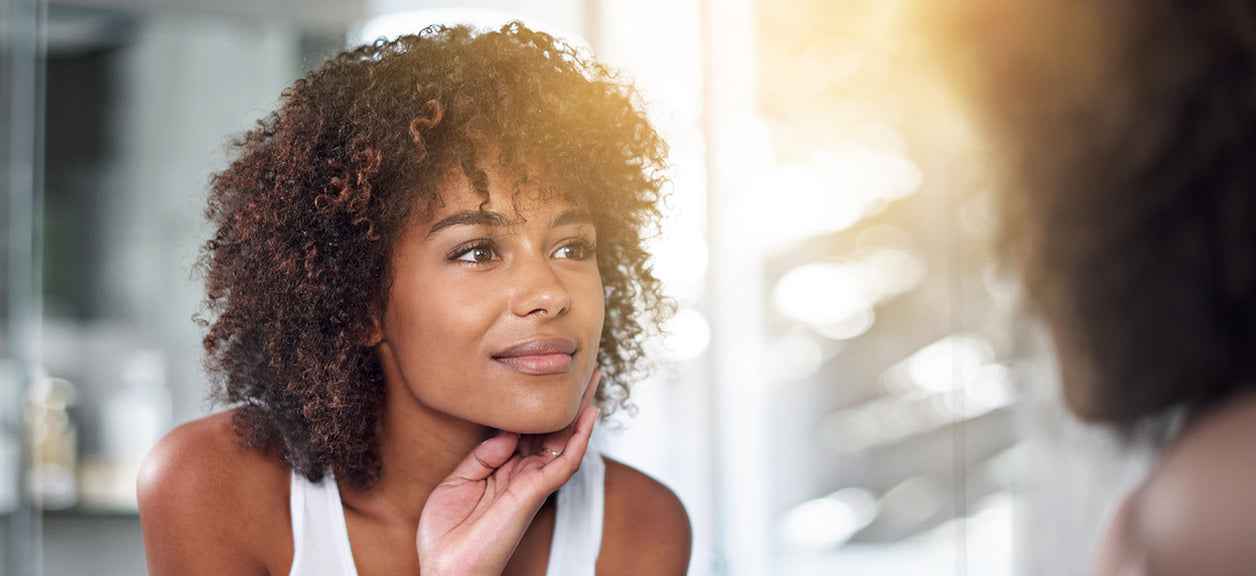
538,422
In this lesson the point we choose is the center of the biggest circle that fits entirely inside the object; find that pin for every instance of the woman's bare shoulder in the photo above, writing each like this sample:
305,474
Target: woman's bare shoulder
1195,515
208,504
646,529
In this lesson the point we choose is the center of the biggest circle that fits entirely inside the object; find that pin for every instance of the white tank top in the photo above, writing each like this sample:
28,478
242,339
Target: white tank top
320,537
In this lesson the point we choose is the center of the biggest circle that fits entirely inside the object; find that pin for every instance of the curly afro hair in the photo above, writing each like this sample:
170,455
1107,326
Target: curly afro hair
1130,127
308,212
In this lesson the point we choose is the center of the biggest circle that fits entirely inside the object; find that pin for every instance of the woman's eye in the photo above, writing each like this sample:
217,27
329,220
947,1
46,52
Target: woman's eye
575,251
476,254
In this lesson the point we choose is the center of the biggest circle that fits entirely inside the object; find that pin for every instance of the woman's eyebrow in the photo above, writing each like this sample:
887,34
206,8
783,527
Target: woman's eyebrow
571,217
497,219
470,218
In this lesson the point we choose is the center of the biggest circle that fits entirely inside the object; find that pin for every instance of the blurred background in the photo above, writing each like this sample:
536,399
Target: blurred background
852,385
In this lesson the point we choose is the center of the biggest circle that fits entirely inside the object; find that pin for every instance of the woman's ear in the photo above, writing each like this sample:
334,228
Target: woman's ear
375,336
375,330
378,307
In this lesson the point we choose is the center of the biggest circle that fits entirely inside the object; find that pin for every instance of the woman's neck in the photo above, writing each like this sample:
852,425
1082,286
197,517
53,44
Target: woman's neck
418,448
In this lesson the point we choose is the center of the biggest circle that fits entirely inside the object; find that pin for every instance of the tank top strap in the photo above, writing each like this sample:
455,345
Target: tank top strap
578,520
320,537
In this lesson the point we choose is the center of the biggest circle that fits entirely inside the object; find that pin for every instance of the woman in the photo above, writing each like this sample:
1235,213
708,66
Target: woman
1130,130
427,264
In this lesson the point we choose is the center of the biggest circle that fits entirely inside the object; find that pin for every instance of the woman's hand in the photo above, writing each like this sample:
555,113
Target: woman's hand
474,518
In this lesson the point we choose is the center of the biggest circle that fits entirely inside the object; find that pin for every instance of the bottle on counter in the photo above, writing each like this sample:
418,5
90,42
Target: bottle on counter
52,468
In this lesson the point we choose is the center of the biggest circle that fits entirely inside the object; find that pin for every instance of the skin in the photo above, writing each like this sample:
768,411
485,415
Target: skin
491,324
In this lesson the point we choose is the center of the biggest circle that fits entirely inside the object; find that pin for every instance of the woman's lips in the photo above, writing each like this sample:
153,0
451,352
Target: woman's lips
537,364
539,356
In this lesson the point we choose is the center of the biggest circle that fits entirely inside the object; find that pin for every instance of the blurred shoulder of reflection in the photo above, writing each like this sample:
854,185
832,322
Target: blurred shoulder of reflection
1193,514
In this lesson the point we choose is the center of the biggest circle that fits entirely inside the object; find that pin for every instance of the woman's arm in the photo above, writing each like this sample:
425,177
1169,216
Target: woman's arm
209,506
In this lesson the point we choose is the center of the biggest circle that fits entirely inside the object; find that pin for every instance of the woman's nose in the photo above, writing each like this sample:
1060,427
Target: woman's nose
538,289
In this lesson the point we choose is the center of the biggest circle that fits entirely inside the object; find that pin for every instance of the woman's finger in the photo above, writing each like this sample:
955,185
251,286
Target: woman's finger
486,458
567,455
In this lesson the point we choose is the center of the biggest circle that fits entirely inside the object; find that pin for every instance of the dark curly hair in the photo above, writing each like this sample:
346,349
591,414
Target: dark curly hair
1130,128
308,212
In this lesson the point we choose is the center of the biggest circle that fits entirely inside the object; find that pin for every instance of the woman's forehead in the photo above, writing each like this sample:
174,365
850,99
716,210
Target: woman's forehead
507,193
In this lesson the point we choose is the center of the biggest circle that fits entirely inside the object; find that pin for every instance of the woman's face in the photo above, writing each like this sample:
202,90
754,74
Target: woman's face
495,310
